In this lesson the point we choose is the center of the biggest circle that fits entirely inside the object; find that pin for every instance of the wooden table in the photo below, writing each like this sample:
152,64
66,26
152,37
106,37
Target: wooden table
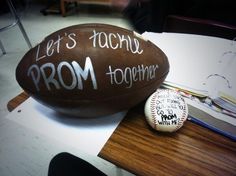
193,150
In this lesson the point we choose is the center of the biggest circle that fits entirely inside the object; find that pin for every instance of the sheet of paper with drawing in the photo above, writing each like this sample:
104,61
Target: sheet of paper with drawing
225,82
199,64
87,135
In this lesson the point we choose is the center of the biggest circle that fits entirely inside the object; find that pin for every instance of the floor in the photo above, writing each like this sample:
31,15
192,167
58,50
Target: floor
37,27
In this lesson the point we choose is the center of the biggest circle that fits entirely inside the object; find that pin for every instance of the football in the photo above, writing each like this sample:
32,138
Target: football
92,70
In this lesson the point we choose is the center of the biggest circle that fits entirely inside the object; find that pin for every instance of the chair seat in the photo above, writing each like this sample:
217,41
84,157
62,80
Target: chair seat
181,24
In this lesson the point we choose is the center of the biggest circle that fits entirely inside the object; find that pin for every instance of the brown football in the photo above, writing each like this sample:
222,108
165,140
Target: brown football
92,70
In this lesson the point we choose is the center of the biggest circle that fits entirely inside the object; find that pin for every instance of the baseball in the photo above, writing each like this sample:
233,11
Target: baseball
166,110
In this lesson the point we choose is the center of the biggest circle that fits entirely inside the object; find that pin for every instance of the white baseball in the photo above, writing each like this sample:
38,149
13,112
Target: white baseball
166,110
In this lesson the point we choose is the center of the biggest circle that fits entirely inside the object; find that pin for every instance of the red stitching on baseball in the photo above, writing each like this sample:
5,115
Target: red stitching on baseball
153,113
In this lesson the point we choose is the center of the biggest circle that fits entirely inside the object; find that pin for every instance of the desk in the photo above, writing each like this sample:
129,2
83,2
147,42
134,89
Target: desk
193,150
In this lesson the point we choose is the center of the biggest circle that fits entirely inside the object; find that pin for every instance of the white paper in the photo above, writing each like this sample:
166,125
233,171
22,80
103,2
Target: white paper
195,60
88,135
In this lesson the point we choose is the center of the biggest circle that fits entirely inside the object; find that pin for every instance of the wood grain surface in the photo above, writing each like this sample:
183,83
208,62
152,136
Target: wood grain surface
13,103
192,150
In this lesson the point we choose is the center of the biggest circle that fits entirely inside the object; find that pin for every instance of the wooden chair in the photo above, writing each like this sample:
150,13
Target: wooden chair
180,24
63,3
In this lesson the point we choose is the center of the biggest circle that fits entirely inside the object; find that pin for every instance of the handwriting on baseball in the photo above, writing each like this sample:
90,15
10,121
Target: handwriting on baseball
167,117
167,108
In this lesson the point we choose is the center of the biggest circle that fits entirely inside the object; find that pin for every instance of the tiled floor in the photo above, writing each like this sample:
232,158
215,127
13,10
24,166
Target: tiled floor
37,27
